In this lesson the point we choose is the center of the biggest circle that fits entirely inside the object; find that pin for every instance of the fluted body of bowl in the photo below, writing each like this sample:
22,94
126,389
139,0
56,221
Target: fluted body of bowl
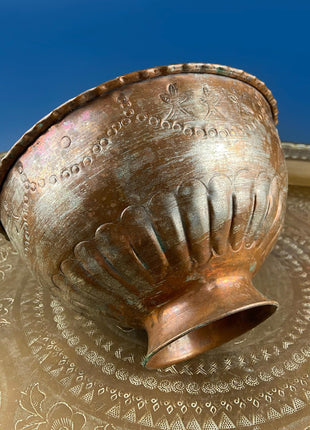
153,199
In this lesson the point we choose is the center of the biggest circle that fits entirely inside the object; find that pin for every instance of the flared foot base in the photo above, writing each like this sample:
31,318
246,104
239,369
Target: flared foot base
204,318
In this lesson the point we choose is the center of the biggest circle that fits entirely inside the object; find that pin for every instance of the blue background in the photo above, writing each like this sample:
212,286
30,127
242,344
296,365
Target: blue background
52,51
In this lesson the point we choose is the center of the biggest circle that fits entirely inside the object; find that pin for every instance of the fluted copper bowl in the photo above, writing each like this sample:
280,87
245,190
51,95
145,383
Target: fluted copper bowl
153,199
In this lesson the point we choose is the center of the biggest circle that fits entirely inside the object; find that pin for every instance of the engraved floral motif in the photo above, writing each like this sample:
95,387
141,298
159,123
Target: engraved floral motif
242,103
211,100
5,304
60,415
175,100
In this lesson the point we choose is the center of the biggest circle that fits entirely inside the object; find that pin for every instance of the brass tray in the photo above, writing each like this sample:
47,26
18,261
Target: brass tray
59,370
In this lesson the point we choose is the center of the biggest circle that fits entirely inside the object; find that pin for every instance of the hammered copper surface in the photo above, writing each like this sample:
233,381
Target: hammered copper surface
154,204
58,367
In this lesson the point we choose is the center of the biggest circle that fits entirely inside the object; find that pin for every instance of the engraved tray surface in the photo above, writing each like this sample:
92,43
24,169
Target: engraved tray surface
59,370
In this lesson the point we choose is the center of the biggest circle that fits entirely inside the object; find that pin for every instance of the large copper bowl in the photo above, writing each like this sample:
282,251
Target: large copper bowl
153,199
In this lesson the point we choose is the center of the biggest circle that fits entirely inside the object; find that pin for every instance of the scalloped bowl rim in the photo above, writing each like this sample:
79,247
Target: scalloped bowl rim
134,77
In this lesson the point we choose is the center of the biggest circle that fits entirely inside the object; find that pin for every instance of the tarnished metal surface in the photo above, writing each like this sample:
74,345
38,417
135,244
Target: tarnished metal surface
154,204
93,93
160,266
57,367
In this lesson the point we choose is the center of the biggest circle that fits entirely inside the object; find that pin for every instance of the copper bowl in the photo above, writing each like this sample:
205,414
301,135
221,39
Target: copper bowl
153,199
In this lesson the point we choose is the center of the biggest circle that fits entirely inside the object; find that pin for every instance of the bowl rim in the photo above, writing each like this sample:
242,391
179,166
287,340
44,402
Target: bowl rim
87,96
